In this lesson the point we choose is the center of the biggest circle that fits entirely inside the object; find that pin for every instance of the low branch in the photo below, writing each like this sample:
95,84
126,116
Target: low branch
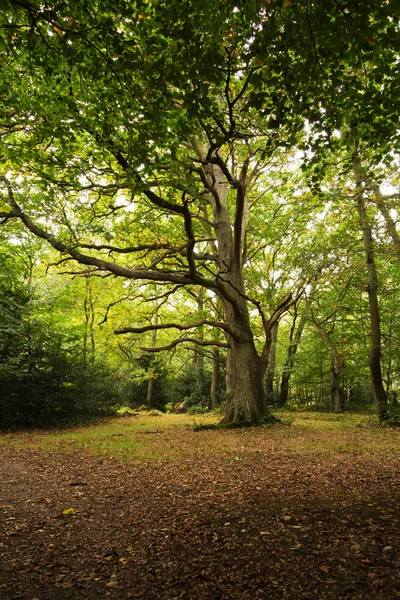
150,195
6,216
161,276
141,247
181,327
183,340
100,264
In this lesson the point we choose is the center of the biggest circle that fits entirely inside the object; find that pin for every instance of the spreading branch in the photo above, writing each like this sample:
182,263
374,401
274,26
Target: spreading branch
162,276
183,340
181,327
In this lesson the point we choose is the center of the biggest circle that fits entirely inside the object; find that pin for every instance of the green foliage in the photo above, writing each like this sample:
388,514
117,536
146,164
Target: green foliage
50,385
393,417
198,410
43,379
192,386
136,383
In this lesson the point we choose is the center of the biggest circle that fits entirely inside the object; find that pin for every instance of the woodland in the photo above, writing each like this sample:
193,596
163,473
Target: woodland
199,214
198,204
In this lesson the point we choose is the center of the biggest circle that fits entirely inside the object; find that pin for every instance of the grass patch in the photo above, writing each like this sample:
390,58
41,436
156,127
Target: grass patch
330,421
173,437
127,438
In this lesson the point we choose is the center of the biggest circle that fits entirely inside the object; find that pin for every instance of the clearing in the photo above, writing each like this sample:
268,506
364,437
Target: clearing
145,507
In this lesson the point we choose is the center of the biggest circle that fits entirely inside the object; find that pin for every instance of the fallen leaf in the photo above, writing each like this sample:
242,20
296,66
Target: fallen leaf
324,569
69,512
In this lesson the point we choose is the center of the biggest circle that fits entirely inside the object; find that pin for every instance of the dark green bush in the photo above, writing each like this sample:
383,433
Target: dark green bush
43,381
188,385
50,387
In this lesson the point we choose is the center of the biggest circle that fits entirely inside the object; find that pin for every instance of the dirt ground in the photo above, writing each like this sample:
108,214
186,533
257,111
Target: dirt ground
278,526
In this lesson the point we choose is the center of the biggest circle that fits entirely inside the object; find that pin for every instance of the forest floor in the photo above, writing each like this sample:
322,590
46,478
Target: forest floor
148,508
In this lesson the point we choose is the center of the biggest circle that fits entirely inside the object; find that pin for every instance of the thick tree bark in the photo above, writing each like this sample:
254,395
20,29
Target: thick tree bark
245,401
375,320
245,398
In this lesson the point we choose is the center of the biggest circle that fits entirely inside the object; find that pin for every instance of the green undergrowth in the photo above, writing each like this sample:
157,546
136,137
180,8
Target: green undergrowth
162,437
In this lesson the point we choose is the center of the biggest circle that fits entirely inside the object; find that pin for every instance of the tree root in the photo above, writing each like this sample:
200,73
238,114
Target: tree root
267,421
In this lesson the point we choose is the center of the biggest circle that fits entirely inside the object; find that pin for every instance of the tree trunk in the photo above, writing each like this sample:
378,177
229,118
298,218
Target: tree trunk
245,401
198,356
29,336
245,398
150,382
337,394
149,396
215,378
88,307
289,362
380,202
270,375
374,313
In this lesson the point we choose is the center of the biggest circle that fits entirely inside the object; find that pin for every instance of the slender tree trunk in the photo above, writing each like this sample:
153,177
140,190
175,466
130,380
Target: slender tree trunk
150,382
29,333
374,313
295,336
390,223
270,374
215,377
390,355
88,307
337,393
337,363
91,332
149,396
198,356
